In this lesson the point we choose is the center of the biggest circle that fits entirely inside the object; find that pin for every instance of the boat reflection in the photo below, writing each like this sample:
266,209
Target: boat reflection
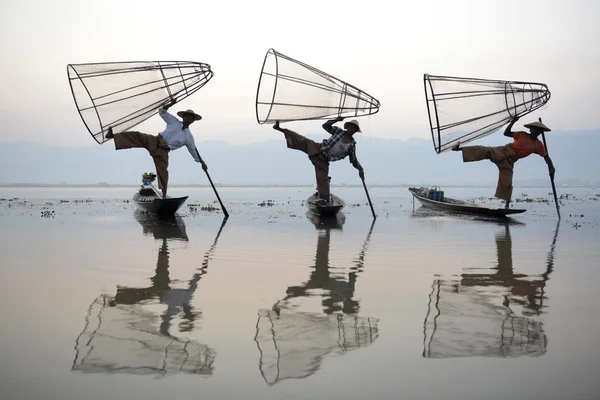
493,314
125,334
293,343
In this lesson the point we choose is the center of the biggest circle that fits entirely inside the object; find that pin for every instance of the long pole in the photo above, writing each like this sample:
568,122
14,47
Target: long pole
369,198
551,177
213,186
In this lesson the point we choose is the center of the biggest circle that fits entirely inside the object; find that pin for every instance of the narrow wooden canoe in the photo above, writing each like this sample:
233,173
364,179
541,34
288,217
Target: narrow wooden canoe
328,210
459,206
149,200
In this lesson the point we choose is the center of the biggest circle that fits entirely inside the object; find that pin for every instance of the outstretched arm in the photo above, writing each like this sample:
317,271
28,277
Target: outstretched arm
191,146
355,163
550,165
508,130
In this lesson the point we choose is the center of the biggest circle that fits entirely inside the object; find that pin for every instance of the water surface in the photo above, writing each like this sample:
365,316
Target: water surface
101,301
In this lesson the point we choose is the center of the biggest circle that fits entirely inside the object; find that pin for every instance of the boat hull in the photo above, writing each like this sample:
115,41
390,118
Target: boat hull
462,207
329,210
157,206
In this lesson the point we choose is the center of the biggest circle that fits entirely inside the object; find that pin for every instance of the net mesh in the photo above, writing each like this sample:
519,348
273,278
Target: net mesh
289,90
293,344
124,94
126,339
465,109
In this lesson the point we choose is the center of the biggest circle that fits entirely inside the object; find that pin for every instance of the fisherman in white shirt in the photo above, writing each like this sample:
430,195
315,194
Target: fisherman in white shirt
177,134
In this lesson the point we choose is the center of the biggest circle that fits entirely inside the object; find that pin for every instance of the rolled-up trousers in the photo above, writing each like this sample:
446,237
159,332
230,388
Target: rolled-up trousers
504,157
157,148
319,160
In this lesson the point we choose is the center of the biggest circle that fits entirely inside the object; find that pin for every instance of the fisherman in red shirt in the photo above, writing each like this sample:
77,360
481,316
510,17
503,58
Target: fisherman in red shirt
504,157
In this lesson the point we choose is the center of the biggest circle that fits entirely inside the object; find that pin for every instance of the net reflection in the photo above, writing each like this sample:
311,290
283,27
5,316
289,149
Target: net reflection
293,343
492,314
125,334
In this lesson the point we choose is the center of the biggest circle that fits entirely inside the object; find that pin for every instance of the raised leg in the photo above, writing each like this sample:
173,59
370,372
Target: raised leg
475,153
296,141
134,139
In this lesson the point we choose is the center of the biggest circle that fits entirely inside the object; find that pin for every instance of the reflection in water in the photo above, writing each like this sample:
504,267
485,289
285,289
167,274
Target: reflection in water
124,334
293,343
464,317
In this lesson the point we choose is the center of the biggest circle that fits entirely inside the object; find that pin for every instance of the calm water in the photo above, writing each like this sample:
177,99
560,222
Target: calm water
101,301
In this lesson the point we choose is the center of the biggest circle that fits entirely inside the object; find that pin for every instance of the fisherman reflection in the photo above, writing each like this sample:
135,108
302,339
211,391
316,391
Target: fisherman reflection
526,291
464,319
293,342
123,333
339,293
177,299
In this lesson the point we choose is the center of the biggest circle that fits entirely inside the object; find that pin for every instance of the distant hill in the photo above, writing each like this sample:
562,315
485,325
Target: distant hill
386,162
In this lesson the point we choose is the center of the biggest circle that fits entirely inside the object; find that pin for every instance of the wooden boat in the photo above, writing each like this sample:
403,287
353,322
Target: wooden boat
458,206
147,198
331,209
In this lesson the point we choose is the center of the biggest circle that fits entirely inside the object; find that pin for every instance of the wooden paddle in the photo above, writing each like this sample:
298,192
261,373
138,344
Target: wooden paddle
369,198
551,177
213,186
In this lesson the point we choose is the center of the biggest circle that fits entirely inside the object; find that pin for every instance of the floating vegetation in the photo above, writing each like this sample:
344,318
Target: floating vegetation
528,200
48,214
268,203
193,207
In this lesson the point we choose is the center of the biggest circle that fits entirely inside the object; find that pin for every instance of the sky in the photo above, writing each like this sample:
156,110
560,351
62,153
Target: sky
382,47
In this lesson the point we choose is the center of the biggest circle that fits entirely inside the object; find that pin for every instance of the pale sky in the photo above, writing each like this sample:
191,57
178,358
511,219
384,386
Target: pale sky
382,47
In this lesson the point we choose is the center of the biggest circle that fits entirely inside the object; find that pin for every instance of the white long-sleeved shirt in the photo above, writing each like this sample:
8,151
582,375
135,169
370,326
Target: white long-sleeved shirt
175,136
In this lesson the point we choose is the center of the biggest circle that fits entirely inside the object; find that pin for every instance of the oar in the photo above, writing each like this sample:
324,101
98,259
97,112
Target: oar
551,177
213,186
369,198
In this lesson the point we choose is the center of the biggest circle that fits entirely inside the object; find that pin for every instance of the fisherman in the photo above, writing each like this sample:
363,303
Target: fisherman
504,157
337,147
175,135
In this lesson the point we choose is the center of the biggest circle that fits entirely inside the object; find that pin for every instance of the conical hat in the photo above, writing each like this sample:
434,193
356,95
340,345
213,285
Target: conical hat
537,124
190,112
355,122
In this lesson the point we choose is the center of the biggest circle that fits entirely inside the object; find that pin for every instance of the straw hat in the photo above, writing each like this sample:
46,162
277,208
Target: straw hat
355,122
537,124
190,112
